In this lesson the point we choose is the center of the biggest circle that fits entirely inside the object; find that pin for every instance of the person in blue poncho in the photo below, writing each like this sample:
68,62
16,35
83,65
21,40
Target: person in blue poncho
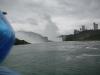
7,38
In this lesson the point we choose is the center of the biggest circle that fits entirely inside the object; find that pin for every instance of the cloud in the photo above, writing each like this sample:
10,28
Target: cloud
41,15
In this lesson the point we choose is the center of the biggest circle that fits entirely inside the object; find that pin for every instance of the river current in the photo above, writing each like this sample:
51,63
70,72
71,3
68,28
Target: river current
56,58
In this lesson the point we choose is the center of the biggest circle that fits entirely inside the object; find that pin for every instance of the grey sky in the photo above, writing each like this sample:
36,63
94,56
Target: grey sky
51,17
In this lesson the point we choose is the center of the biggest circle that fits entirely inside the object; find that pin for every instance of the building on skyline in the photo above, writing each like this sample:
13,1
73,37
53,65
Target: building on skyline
83,28
76,31
95,26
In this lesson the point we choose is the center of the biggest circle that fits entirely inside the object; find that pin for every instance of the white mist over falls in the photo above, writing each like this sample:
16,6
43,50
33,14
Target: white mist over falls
31,37
38,35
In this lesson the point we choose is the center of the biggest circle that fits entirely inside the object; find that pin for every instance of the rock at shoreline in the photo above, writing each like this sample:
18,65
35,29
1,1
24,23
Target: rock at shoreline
20,42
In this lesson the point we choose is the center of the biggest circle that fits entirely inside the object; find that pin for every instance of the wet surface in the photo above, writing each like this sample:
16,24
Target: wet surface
62,58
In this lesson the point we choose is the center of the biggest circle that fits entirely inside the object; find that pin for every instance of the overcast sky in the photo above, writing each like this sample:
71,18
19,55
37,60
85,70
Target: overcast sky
51,17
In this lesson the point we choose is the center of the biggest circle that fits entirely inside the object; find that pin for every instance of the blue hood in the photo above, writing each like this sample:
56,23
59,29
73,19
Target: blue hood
7,36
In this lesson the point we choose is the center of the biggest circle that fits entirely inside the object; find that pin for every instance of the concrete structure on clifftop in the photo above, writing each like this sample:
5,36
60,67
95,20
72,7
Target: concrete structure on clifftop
83,34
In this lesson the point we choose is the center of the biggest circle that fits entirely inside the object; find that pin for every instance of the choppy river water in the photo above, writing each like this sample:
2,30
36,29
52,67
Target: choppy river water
56,58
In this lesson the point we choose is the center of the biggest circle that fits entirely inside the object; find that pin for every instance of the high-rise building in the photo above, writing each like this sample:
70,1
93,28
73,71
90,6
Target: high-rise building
83,27
76,31
95,26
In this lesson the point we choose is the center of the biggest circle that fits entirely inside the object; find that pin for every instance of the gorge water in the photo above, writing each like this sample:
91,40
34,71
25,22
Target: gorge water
56,58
